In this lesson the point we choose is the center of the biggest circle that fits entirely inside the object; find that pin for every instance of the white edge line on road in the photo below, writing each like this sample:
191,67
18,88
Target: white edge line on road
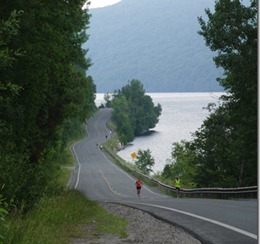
202,218
246,233
79,165
76,156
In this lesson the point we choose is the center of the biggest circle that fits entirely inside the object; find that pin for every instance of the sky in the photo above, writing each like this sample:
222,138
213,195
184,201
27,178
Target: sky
102,3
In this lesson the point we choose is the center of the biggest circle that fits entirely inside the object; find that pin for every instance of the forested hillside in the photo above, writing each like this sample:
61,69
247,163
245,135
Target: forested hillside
153,41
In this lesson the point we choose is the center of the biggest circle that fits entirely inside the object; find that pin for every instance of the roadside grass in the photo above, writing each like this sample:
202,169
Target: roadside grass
60,218
68,215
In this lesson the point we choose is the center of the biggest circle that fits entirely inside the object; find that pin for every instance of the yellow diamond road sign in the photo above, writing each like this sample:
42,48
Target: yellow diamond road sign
133,155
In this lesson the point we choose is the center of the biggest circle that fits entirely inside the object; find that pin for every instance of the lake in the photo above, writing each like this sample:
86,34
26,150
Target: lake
182,114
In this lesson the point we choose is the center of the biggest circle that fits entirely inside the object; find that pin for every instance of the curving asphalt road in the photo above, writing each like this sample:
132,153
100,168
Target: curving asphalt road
212,221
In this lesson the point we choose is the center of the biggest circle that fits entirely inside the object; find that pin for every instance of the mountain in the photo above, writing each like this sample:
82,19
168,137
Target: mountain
154,41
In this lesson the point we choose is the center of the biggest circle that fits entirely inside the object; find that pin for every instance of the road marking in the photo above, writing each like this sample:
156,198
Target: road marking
76,156
129,176
110,185
243,232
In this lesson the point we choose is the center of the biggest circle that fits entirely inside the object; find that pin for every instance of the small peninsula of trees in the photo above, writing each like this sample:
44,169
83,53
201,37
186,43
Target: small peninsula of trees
133,111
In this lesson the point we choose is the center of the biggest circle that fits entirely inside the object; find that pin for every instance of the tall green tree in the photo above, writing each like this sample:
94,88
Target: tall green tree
53,89
180,164
214,161
120,116
224,149
143,114
145,161
8,31
232,32
140,112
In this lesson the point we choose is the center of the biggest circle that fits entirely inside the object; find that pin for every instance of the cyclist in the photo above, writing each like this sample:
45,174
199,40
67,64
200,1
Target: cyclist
138,185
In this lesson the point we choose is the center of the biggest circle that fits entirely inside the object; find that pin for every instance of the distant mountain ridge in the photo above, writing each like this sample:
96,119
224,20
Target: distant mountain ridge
154,41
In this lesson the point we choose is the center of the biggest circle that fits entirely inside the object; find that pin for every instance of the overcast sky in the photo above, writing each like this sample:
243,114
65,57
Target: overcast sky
102,3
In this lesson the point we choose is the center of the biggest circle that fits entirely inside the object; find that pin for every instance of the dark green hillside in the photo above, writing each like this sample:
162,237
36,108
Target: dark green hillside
153,41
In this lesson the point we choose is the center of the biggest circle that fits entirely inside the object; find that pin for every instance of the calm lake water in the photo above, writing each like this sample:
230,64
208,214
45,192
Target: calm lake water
182,114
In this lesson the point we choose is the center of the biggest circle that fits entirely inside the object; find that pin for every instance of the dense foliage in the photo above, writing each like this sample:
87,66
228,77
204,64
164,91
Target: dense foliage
133,111
223,152
44,92
145,161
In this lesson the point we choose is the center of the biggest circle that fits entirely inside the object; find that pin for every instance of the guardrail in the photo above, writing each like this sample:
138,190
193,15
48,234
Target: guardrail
222,193
219,193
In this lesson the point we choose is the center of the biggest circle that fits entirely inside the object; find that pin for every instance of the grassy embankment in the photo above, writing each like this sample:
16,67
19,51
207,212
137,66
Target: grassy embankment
61,218
68,214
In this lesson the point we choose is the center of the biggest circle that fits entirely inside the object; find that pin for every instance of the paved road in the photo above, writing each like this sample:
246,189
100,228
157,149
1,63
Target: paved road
213,221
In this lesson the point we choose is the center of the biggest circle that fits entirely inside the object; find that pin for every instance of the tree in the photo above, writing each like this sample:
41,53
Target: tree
120,116
215,166
138,109
223,151
144,115
8,31
108,100
145,161
53,89
181,164
232,32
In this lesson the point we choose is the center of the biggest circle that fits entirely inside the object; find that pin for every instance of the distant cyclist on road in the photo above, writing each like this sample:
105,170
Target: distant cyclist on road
138,185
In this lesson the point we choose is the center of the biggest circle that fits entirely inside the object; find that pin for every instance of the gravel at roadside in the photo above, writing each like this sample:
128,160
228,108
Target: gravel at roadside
142,228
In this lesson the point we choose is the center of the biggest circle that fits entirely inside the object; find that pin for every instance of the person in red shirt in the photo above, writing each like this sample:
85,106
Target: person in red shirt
138,185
